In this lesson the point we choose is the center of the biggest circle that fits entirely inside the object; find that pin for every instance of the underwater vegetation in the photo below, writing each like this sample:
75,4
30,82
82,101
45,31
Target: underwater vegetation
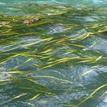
53,56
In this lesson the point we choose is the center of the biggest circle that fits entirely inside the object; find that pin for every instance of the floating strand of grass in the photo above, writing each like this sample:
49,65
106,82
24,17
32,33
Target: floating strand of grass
54,78
13,99
92,94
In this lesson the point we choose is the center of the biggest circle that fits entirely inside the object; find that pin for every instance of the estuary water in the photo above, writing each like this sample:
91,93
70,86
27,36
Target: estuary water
53,53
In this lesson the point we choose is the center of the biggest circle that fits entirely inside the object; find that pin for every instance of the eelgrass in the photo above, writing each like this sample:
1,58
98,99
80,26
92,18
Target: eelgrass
44,57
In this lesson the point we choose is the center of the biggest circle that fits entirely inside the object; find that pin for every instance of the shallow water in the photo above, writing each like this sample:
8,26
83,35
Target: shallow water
53,53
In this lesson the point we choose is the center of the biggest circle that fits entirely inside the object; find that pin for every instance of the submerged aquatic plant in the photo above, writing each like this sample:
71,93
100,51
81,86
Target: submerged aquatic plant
53,56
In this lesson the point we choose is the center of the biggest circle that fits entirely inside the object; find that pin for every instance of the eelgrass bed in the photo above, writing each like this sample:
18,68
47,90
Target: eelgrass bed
53,56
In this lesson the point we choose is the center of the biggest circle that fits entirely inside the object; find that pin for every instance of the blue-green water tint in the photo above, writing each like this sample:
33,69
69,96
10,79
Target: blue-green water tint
8,6
53,53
